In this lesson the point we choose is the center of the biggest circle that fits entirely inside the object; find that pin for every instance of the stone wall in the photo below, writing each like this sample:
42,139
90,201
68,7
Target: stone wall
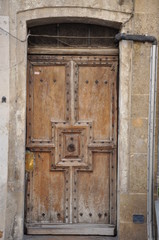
133,162
140,17
133,193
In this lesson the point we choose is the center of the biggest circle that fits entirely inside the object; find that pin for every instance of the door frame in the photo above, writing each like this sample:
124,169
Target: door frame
18,56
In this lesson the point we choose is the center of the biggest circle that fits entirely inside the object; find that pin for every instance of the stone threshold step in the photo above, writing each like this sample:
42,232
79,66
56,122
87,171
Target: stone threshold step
31,237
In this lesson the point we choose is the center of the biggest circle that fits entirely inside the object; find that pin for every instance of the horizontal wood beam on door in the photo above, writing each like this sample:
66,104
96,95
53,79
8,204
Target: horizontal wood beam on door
73,51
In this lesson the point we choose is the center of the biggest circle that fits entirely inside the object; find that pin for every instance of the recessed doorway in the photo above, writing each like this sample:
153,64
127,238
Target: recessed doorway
71,131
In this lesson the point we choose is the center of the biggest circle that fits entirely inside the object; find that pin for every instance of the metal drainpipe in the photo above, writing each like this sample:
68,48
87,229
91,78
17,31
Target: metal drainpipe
151,140
151,124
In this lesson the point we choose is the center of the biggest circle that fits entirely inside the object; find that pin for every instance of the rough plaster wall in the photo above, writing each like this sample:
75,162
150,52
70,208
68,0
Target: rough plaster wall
4,118
4,7
113,5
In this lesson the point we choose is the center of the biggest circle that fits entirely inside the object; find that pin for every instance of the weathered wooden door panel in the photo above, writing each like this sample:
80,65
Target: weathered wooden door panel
94,99
93,204
47,199
44,100
71,129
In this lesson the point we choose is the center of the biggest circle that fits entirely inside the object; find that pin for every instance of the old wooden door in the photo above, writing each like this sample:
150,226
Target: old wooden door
71,131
